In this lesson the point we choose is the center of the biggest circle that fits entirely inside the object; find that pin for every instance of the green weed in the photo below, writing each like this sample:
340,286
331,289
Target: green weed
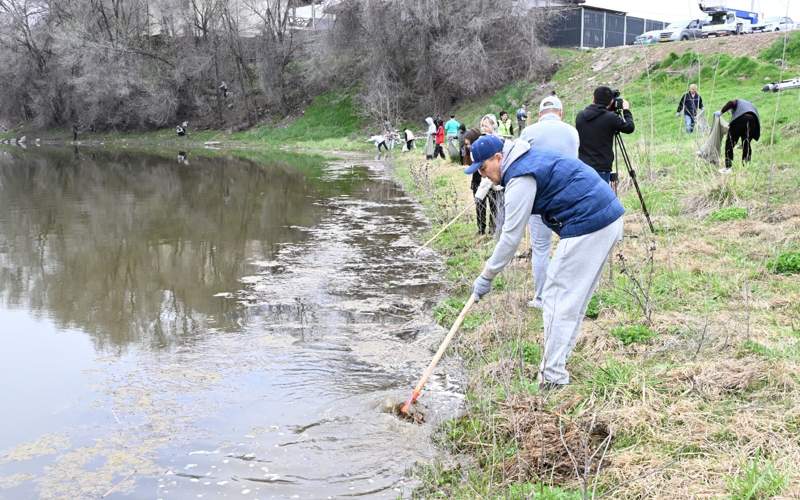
611,378
529,352
728,213
759,479
633,334
785,263
540,492
593,309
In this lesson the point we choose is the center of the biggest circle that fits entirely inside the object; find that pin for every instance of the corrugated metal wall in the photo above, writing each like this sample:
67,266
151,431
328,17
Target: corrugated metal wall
600,28
635,27
615,29
565,31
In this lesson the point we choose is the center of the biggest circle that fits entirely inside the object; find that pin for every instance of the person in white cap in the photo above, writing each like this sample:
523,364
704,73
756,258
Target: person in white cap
550,132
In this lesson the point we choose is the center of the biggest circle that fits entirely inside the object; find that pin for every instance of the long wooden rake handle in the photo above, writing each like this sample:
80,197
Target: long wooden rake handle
442,348
445,227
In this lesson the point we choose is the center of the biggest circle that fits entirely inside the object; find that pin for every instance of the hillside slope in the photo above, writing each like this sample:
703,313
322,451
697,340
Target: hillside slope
686,374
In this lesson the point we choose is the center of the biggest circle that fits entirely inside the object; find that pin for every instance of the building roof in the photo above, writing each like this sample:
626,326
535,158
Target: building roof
603,9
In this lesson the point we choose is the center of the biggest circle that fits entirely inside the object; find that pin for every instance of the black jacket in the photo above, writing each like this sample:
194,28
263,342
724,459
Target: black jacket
596,128
690,105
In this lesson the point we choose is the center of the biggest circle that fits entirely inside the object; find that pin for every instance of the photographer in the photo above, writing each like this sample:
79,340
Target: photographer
597,125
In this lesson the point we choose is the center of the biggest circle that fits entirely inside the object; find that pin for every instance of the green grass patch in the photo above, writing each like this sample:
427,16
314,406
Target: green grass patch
610,379
785,263
447,311
541,492
593,309
439,481
530,352
633,334
508,98
331,115
727,214
776,50
759,479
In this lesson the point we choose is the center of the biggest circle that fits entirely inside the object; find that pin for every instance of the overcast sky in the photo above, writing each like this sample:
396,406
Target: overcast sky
674,10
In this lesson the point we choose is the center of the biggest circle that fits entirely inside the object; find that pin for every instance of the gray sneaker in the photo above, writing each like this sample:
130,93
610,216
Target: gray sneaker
545,387
535,304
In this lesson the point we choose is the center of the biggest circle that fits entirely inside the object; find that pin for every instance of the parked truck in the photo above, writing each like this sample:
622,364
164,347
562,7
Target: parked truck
727,21
778,23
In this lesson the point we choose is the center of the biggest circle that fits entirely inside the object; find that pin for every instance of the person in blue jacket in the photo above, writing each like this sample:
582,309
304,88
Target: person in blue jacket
577,205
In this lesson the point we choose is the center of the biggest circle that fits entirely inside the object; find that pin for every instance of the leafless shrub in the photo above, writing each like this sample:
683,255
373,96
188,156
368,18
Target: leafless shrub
415,55
639,283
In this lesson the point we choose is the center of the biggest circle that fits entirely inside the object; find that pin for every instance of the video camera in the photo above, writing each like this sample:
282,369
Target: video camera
617,102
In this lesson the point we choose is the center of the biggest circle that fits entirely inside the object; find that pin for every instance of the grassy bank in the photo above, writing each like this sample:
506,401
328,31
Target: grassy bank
329,123
685,376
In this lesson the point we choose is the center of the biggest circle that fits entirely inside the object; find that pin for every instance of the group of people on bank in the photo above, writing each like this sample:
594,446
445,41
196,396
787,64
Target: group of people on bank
556,178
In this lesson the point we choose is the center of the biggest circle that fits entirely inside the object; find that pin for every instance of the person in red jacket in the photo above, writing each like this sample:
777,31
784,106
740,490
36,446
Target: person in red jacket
439,139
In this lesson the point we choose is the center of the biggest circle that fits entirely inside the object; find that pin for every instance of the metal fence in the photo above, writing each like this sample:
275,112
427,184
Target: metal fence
592,27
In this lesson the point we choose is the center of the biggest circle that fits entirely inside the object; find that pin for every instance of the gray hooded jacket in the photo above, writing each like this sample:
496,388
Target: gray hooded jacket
519,195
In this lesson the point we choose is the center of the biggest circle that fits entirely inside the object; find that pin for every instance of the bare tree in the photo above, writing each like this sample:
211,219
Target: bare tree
423,55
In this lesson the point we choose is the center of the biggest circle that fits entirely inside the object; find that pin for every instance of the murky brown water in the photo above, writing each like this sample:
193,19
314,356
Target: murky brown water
222,329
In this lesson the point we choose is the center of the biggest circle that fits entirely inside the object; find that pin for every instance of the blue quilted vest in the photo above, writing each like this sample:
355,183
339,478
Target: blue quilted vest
571,198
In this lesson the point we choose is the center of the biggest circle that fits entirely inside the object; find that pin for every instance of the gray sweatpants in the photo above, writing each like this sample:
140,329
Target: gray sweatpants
572,277
541,237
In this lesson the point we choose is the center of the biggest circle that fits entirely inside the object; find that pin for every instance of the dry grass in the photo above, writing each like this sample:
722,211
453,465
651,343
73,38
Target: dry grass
685,412
552,445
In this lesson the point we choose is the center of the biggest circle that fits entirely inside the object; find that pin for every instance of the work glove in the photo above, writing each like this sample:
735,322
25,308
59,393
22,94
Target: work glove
483,189
481,287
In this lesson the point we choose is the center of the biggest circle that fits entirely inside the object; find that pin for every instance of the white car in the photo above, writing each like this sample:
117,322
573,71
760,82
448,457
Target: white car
775,24
647,37
683,30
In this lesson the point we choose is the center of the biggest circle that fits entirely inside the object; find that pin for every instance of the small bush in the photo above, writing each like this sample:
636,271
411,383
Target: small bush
785,263
728,213
759,479
633,334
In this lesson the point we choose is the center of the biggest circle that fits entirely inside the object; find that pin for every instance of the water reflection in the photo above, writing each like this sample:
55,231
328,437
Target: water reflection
132,248
288,295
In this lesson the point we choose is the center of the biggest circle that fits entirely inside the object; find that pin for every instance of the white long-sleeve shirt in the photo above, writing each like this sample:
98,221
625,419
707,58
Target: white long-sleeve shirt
519,195
552,133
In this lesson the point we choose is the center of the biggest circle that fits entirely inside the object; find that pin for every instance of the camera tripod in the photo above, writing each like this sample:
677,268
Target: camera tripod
619,146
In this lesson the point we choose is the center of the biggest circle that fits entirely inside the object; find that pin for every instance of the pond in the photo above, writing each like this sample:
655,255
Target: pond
218,327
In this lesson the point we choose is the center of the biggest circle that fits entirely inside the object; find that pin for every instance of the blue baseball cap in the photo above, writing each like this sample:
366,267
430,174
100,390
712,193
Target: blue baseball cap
481,150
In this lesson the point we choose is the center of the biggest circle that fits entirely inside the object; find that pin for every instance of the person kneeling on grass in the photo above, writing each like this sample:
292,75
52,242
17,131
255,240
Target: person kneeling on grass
577,205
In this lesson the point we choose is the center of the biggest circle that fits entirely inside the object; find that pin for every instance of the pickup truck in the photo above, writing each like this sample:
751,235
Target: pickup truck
682,30
775,24
727,21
